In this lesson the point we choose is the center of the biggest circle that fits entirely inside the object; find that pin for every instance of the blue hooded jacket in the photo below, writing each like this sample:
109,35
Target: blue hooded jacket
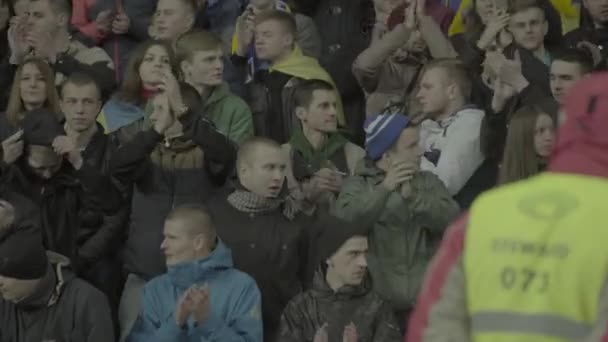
234,299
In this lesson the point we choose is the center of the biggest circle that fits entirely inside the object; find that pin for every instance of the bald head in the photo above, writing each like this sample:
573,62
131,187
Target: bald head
249,150
261,166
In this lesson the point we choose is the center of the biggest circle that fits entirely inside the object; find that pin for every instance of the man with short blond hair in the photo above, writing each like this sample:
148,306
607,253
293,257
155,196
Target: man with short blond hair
201,297
201,60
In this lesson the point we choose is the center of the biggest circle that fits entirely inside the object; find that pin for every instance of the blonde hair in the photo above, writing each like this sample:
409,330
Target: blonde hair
195,41
15,108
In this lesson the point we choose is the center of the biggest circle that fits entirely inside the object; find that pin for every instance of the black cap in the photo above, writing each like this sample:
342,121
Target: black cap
335,232
41,127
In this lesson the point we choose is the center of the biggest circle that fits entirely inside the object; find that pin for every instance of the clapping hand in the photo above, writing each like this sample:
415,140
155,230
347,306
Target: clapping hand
399,173
194,302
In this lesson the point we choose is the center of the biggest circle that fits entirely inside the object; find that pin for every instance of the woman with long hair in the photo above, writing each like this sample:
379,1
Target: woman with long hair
530,140
148,65
33,87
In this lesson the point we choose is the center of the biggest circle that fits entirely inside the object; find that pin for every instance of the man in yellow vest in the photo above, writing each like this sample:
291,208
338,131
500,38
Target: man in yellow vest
529,261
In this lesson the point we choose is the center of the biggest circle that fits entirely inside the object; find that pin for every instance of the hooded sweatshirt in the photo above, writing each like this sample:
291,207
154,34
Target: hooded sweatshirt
230,114
580,154
452,147
235,303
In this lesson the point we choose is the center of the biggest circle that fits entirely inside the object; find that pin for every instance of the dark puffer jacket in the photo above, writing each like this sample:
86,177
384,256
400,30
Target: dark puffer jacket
164,176
271,249
307,312
64,308
72,205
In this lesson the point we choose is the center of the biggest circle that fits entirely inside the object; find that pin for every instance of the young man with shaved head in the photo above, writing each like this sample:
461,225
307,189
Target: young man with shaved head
259,224
201,296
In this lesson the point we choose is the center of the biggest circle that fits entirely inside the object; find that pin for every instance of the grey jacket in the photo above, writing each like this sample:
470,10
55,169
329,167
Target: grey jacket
406,231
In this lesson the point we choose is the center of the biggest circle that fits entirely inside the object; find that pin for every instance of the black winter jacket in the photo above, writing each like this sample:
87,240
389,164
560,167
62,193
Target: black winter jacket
64,308
72,205
271,249
157,189
107,237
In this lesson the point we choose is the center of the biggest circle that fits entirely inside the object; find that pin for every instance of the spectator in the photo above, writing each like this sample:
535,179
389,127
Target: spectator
201,297
512,91
347,29
33,88
567,68
98,256
319,156
341,305
173,163
479,24
172,19
479,288
450,137
389,192
46,36
41,297
270,93
594,33
387,70
529,26
220,17
200,57
529,144
307,37
72,195
117,26
122,116
254,211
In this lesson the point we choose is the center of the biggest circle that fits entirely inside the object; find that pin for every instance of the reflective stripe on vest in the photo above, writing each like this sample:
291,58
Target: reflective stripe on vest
546,325
535,259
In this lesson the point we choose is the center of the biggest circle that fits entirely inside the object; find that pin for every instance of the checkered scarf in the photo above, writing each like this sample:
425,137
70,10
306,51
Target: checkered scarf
251,203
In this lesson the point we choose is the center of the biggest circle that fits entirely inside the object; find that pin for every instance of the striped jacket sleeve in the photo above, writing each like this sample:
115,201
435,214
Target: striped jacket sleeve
441,313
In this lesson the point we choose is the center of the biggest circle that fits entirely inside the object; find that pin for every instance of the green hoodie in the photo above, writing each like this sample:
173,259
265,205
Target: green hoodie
229,113
406,231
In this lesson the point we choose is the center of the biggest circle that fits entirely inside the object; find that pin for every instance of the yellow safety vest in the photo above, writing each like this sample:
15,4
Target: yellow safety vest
536,259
